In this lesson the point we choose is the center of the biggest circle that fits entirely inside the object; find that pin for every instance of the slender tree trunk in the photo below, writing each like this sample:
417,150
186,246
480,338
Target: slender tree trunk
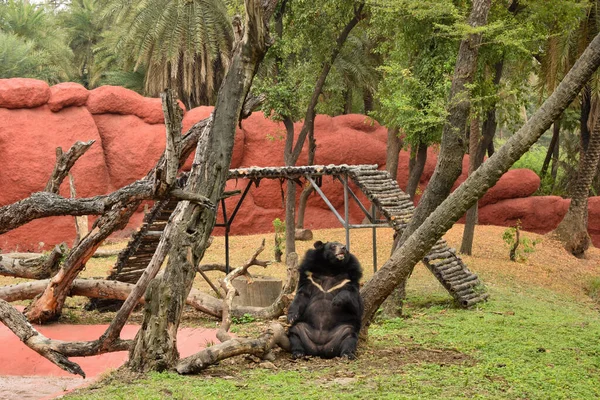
155,344
291,150
368,100
478,145
490,124
400,265
308,189
348,101
555,157
417,170
552,149
572,230
394,145
469,230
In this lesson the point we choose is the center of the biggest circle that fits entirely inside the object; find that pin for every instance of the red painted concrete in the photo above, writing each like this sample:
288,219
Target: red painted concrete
18,359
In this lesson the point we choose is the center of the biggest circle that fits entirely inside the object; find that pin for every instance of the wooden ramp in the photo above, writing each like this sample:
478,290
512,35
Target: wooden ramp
378,186
442,261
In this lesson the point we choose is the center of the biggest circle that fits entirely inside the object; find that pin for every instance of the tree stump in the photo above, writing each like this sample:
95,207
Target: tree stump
261,292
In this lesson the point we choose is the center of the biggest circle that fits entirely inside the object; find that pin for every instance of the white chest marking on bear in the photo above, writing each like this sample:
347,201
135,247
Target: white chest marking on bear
338,286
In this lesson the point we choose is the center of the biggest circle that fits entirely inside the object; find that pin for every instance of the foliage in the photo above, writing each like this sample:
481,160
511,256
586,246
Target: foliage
417,68
244,319
520,246
279,226
181,44
290,70
32,43
84,28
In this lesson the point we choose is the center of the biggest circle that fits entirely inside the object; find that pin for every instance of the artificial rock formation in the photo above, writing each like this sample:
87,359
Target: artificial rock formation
129,135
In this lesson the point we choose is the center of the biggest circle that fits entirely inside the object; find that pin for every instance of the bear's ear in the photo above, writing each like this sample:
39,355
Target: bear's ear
319,245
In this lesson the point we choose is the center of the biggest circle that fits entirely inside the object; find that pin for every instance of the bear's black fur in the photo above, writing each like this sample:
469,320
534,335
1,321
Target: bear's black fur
326,313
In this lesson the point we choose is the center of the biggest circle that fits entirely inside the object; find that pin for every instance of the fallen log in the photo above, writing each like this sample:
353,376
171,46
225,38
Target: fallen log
260,347
41,267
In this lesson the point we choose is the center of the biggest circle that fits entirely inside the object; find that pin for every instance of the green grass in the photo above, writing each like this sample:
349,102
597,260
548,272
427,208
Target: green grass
524,344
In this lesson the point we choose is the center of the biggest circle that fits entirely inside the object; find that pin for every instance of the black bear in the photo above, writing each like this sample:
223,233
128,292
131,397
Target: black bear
325,316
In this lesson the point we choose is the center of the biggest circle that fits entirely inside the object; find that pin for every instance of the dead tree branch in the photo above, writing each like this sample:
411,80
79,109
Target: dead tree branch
165,176
231,291
260,347
64,163
41,267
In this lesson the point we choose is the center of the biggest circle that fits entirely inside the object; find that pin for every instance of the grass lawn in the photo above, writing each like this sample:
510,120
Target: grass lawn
536,338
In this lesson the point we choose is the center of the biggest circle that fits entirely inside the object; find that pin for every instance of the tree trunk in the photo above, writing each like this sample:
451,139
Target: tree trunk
475,140
449,164
394,145
555,157
552,149
368,100
308,189
155,344
477,154
348,101
417,170
572,230
399,266
291,150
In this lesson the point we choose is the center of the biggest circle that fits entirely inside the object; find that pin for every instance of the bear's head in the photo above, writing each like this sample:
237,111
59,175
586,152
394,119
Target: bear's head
333,252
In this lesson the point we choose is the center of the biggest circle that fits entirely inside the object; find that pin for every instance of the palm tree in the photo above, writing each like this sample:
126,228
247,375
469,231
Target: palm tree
35,28
185,45
84,26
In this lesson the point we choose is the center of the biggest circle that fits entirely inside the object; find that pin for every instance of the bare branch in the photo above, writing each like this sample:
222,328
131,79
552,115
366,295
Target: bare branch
274,335
64,163
231,291
40,267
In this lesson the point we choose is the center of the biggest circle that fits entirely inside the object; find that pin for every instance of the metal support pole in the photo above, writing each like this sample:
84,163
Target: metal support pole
374,218
346,212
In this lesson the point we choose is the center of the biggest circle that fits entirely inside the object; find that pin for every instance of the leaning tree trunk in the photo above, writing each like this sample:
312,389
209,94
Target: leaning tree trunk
155,344
291,150
572,230
400,265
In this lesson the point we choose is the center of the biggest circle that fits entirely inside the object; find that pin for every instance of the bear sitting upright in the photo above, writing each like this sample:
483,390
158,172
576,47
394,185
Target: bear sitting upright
325,316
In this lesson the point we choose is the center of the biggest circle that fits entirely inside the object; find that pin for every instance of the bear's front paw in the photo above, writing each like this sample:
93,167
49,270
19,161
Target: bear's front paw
348,355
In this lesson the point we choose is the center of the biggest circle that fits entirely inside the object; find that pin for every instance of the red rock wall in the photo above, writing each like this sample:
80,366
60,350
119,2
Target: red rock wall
35,119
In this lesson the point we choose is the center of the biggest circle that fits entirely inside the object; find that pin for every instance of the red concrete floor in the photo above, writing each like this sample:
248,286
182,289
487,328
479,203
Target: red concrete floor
18,360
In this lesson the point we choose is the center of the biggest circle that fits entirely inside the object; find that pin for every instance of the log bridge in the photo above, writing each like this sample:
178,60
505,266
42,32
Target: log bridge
387,200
